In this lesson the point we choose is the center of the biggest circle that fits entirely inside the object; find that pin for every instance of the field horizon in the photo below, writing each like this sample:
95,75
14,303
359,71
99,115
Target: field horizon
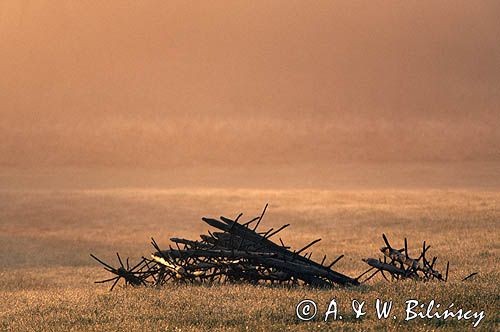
353,175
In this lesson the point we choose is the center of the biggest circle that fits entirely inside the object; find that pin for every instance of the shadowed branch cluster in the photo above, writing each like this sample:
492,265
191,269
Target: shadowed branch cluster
397,264
239,252
236,252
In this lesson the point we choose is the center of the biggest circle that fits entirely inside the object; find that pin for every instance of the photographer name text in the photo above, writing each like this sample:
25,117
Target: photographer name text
307,310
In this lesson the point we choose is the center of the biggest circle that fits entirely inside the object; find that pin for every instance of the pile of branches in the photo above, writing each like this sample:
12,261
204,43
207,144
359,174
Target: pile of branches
397,264
236,252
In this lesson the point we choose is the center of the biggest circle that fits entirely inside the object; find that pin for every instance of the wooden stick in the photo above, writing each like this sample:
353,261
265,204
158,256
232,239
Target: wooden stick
307,246
278,230
261,216
335,261
469,276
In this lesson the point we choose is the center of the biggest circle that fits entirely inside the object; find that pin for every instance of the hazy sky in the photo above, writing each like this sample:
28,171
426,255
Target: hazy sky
153,83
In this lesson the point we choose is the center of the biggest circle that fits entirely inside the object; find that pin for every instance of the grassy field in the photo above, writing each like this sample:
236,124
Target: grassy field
47,275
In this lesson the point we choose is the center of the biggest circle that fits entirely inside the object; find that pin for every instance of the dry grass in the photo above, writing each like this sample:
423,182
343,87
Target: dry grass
46,274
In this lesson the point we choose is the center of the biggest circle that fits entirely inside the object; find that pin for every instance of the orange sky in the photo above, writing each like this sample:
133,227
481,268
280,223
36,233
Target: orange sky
154,83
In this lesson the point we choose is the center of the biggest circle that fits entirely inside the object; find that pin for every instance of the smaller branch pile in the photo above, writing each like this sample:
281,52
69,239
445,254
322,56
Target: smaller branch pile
399,265
237,252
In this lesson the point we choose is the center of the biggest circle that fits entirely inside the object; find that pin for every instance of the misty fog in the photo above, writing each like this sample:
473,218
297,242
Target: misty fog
156,84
